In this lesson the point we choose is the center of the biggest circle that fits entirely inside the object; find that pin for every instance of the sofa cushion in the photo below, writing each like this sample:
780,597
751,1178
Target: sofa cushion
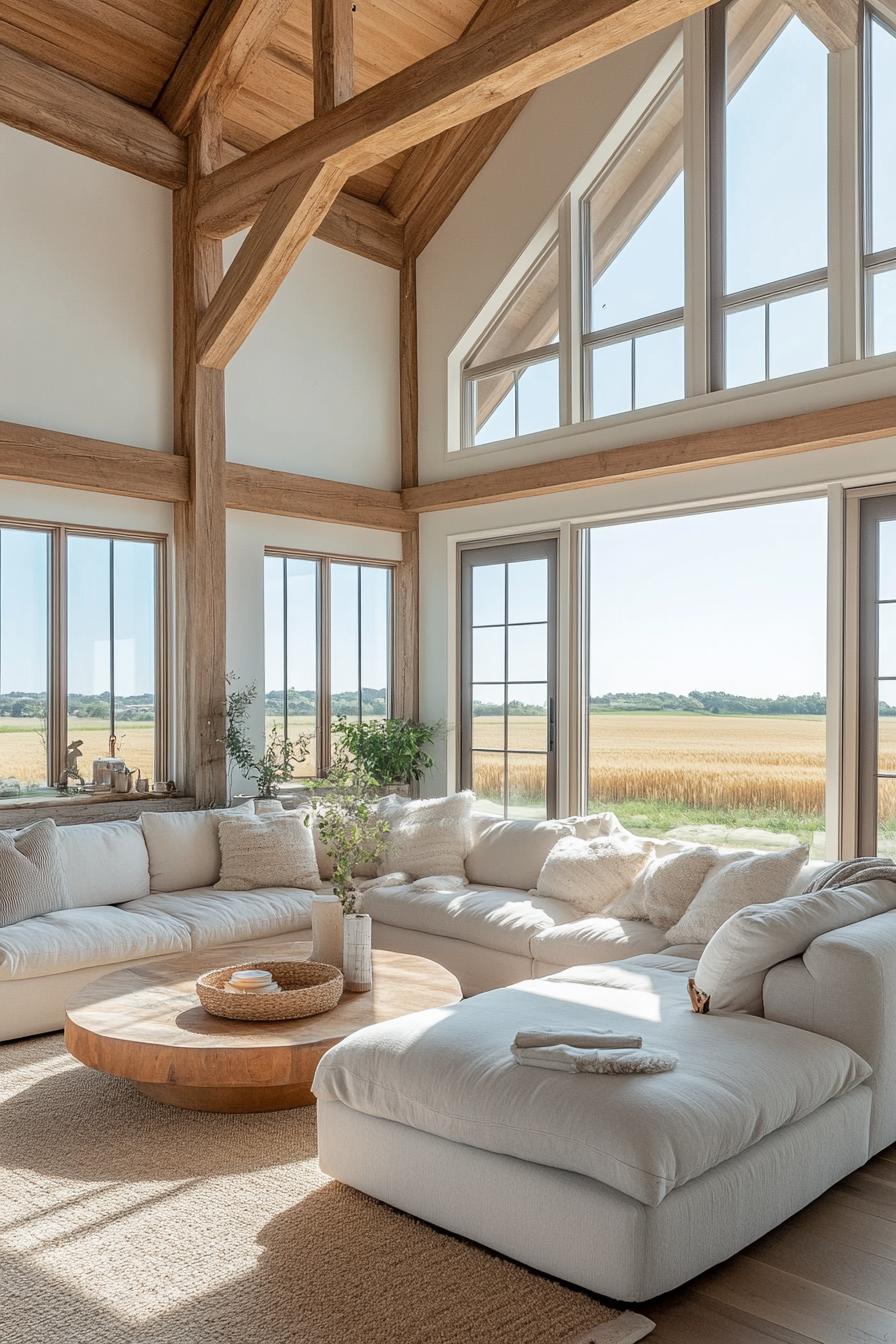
512,853
215,917
591,874
272,850
738,879
32,879
105,862
450,1072
504,920
427,837
95,936
598,938
183,846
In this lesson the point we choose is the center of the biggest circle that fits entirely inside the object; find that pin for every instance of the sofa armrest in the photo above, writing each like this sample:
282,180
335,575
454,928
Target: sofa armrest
844,986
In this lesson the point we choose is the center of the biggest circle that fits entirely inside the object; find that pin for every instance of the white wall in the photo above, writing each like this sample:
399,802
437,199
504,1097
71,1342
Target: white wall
314,389
247,536
85,296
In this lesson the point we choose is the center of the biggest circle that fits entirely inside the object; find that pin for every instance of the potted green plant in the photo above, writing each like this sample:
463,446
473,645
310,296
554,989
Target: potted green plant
391,751
281,757
343,807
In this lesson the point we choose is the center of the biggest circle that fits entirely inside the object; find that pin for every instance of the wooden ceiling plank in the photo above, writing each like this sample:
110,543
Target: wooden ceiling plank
291,216
77,116
483,70
811,430
230,35
836,23
333,45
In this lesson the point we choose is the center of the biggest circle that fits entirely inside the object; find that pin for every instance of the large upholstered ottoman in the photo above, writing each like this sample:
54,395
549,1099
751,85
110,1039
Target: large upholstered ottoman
627,1185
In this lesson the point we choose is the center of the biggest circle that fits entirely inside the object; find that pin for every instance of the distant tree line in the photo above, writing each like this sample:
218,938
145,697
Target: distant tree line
304,703
695,702
33,705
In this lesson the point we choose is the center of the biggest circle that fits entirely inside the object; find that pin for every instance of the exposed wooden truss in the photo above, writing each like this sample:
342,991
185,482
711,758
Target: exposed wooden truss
230,35
829,428
482,70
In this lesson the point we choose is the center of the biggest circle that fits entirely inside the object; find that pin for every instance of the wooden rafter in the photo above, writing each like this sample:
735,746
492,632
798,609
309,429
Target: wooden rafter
834,22
218,57
57,107
481,71
291,216
332,60
829,428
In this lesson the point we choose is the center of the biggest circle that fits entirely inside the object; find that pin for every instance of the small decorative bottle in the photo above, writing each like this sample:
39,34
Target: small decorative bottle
357,961
326,930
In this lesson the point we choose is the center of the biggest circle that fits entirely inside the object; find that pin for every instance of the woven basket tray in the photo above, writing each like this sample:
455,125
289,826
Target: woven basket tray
306,987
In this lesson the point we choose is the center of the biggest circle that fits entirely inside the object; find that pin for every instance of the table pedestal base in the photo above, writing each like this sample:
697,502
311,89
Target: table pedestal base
229,1099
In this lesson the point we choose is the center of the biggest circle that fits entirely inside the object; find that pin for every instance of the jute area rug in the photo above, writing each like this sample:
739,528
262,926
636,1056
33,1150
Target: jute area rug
123,1221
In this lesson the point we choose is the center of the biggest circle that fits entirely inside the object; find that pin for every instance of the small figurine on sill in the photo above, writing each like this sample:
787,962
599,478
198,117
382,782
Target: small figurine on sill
71,775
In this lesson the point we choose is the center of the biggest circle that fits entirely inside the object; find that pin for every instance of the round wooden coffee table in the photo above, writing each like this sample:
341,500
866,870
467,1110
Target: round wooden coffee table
145,1023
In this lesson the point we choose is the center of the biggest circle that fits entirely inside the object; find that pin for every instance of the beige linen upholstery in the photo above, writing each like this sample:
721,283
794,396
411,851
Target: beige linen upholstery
450,1073
599,938
509,853
502,920
581,1230
105,862
183,846
844,987
477,968
214,917
274,849
93,936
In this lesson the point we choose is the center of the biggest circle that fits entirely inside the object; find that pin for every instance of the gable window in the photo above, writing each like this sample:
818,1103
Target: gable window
634,286
328,647
772,246
512,378
880,186
82,640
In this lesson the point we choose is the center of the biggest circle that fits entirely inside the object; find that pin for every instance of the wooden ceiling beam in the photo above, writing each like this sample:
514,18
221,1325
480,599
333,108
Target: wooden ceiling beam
56,107
46,457
332,41
291,216
836,23
811,430
485,69
363,228
260,490
218,57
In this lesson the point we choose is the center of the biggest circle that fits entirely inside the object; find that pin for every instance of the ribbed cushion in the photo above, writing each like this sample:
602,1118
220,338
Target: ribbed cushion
32,881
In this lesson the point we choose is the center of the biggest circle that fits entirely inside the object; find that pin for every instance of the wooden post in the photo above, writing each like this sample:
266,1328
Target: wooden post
199,524
407,575
333,57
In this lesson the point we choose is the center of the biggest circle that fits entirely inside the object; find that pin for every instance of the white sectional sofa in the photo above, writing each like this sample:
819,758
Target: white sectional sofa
125,908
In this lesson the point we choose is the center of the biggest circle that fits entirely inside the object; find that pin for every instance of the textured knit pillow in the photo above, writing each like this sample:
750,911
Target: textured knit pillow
737,880
32,879
275,849
666,887
430,837
592,874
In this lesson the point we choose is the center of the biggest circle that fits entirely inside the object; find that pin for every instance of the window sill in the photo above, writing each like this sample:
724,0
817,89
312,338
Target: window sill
89,807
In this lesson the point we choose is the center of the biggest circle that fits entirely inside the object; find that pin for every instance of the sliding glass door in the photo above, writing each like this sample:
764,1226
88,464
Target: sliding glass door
877,677
508,676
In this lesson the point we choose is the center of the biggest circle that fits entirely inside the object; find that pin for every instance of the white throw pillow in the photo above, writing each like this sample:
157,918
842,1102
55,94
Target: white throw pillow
32,879
734,881
429,837
274,849
105,862
734,963
666,887
183,846
591,874
511,853
595,825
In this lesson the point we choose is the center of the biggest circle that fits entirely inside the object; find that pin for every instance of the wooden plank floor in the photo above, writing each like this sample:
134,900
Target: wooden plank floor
828,1276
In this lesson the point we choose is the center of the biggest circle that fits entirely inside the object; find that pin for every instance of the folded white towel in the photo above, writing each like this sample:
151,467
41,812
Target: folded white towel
569,1059
583,1040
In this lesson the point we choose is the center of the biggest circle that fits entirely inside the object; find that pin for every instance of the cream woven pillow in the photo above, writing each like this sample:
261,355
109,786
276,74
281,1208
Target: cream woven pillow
430,837
32,879
275,849
592,874
737,880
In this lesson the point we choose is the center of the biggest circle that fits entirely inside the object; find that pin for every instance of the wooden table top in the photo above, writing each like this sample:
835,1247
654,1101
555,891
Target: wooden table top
146,1023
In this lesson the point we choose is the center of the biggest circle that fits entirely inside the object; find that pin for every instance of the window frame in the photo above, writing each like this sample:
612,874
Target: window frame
323,607
884,260
873,509
58,535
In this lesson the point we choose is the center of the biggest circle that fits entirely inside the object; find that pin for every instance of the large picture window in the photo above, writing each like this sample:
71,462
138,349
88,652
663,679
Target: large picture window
328,647
81,653
705,714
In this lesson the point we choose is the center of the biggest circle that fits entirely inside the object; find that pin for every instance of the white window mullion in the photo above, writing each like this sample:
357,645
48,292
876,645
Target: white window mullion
696,209
570,309
845,206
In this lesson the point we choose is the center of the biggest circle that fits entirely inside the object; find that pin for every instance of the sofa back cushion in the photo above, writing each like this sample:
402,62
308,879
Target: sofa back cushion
105,862
429,837
32,881
734,963
511,853
183,847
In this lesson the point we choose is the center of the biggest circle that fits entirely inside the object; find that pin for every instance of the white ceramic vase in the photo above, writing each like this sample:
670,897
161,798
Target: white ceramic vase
326,930
357,961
